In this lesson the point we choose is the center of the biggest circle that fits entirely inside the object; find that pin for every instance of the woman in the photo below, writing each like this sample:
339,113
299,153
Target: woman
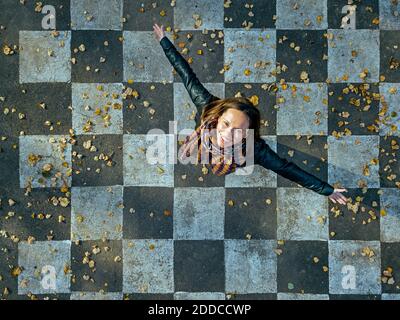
221,117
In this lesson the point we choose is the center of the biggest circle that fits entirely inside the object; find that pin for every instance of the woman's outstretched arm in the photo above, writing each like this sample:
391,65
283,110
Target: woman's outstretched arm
269,159
197,92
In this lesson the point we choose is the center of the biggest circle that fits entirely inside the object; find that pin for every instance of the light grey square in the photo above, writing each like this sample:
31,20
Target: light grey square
44,56
96,213
180,295
390,220
148,266
389,18
96,15
350,53
390,296
144,58
148,160
250,266
352,267
302,296
302,214
252,52
199,213
303,14
96,296
389,115
44,161
352,159
45,266
199,14
97,108
304,111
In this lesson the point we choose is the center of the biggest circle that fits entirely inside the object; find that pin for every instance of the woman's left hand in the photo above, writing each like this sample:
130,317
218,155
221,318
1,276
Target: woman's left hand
337,196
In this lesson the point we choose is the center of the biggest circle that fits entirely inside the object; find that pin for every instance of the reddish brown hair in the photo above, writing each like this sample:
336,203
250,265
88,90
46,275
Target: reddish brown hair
216,108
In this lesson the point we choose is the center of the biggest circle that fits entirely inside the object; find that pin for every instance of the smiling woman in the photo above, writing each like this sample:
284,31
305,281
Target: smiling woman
232,122
227,117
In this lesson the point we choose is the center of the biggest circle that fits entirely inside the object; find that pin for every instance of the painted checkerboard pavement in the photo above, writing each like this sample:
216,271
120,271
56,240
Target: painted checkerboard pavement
79,199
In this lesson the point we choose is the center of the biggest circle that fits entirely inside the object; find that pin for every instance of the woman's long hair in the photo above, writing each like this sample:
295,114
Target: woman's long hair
216,108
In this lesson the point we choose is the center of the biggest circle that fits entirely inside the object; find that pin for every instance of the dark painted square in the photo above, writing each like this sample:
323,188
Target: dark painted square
58,296
307,157
16,16
149,296
353,107
253,296
389,165
296,266
266,102
106,274
109,71
9,64
367,13
8,261
9,163
389,55
207,65
27,220
138,118
146,214
108,144
237,13
390,258
141,15
199,266
354,297
313,46
348,222
250,214
28,99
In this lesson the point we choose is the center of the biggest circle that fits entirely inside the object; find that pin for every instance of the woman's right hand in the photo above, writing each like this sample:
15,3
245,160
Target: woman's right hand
337,196
158,31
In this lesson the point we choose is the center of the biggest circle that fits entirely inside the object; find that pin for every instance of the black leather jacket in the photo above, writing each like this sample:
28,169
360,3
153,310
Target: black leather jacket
263,154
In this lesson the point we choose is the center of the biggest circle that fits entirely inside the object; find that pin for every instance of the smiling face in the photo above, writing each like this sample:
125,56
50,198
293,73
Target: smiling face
231,127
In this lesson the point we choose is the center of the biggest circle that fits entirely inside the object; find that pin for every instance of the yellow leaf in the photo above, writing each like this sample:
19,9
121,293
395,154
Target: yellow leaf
16,271
254,100
247,72
160,170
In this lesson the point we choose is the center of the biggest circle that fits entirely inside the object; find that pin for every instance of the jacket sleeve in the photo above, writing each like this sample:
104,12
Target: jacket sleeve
269,159
197,92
